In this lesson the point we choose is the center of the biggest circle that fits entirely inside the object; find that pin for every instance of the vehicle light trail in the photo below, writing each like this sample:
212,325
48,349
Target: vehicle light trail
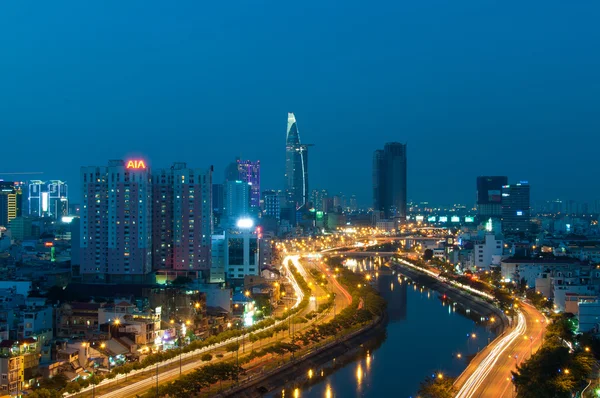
470,387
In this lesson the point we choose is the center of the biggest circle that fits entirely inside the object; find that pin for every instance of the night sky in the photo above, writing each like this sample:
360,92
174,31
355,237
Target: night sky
474,87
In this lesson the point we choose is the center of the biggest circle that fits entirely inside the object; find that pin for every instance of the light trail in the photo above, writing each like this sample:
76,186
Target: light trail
470,387
301,271
148,383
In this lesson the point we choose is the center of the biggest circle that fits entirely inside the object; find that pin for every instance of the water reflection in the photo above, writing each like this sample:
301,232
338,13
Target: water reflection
407,360
359,376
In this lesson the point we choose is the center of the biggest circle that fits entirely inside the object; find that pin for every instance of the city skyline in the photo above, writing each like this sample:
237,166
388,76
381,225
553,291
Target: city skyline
494,102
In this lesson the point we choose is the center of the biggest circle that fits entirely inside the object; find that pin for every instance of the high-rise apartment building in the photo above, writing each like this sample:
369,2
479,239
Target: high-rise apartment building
489,196
316,197
116,222
249,172
182,218
10,202
296,166
389,180
516,208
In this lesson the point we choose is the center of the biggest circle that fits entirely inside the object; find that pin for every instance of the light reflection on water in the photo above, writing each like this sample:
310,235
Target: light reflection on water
415,316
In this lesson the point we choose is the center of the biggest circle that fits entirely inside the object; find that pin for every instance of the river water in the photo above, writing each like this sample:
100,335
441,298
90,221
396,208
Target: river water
426,335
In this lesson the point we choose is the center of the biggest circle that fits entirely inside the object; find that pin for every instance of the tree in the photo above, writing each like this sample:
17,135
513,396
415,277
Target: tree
232,347
57,382
44,393
438,387
427,254
206,357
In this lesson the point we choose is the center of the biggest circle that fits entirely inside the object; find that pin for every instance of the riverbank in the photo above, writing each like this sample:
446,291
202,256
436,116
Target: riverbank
299,368
468,301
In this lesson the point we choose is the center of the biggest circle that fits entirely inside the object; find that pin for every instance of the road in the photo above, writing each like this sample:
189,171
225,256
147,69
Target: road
141,386
489,373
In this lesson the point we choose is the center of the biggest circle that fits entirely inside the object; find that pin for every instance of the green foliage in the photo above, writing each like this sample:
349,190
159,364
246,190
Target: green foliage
57,382
188,385
206,357
562,328
427,254
437,388
554,371
232,347
45,393
538,300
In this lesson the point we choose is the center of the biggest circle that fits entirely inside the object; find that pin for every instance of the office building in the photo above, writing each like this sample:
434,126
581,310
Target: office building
237,200
116,222
249,172
272,204
47,199
218,203
389,181
241,252
296,166
21,228
182,219
10,202
516,210
489,196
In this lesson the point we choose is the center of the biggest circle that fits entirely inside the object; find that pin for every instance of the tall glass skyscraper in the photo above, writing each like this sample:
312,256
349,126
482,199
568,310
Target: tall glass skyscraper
296,166
516,208
389,180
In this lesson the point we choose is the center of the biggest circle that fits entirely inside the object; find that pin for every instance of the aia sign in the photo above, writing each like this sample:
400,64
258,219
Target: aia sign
136,164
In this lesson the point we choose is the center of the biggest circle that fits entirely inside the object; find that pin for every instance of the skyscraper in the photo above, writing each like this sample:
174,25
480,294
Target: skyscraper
516,209
296,166
249,172
272,206
237,200
489,196
47,198
389,180
182,218
317,197
10,201
116,222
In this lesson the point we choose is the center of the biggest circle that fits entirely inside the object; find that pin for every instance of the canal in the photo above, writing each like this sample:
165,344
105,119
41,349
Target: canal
426,335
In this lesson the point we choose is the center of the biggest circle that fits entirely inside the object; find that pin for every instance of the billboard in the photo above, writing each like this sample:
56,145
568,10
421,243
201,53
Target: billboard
443,219
420,218
455,219
469,219
431,218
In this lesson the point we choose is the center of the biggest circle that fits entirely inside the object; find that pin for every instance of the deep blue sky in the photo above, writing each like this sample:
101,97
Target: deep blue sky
474,87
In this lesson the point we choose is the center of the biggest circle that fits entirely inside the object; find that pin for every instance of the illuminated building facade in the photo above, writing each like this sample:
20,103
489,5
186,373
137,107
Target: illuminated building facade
272,204
516,208
296,166
10,201
47,198
237,200
182,218
241,252
249,172
116,222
